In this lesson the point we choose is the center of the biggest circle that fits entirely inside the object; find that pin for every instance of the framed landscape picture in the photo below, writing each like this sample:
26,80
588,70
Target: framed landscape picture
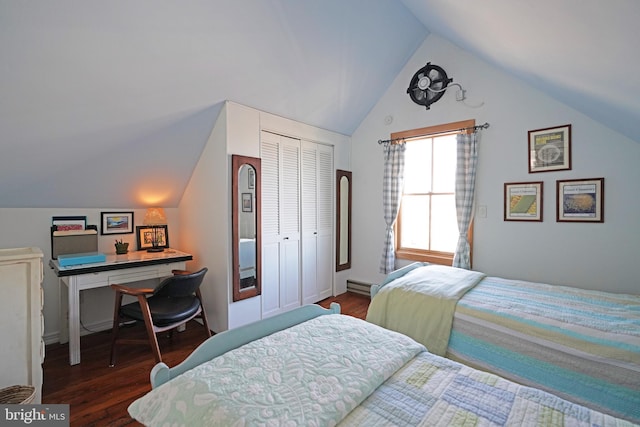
116,222
523,201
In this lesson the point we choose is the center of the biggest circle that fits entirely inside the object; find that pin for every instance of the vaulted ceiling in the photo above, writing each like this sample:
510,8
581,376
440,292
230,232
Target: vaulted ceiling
109,104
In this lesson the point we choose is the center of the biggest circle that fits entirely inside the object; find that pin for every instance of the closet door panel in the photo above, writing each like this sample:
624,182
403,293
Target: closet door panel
309,222
270,278
317,221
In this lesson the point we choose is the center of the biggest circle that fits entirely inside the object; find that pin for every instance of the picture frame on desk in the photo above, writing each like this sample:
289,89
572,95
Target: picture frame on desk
145,235
116,223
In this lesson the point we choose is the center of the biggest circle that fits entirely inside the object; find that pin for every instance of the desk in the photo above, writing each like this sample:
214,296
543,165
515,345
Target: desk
127,268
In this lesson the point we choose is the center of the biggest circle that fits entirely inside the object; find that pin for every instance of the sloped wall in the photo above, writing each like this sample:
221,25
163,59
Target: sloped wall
594,256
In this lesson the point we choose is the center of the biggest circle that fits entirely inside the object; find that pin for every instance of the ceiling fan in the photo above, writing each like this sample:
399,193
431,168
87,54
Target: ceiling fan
428,85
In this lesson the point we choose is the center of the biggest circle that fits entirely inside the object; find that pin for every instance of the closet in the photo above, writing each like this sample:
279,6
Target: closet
317,221
280,223
297,222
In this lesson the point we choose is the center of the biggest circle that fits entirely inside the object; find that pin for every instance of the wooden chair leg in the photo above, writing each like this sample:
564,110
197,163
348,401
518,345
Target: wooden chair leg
116,328
203,315
148,322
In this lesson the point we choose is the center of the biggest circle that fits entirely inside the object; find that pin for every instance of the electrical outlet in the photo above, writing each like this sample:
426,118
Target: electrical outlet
461,95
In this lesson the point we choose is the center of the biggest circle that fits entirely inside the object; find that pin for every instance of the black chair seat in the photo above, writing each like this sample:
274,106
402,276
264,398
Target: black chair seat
174,302
164,311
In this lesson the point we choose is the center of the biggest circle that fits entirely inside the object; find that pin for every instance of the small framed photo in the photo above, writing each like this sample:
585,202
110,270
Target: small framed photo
116,222
247,202
550,149
146,234
69,223
580,200
523,201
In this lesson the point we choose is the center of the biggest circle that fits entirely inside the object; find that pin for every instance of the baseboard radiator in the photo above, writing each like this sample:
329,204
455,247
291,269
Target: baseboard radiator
359,287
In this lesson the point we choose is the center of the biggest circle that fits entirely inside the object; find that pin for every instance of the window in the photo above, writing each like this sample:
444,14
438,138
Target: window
427,228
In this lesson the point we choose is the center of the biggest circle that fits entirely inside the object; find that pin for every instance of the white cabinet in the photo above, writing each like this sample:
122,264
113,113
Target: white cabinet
21,320
280,223
317,221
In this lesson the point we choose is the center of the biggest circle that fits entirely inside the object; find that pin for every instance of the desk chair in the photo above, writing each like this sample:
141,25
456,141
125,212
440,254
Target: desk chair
174,302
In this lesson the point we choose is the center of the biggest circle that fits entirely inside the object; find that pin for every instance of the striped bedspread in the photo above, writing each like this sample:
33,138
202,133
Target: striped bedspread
581,345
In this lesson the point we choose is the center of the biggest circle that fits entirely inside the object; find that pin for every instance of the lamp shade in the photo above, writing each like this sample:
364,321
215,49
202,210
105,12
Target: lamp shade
154,216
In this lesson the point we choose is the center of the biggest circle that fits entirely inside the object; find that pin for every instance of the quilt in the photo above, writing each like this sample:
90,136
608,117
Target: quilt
434,391
421,304
312,374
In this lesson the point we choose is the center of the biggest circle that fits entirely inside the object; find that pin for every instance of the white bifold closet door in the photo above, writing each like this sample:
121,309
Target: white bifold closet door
280,223
317,221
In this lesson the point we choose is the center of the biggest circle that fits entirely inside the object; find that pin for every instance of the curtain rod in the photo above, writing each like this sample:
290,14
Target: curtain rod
475,129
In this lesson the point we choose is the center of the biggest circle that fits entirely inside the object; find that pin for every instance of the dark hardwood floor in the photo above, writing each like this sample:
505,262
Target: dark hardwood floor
99,395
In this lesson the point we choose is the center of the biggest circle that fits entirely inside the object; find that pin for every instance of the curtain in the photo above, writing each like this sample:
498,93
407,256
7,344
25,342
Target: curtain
392,184
467,148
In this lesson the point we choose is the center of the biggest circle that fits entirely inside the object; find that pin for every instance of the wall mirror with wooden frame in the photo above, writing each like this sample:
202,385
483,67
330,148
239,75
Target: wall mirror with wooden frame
343,220
246,208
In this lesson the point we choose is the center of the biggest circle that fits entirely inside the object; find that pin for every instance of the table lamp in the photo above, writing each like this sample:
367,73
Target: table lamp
154,218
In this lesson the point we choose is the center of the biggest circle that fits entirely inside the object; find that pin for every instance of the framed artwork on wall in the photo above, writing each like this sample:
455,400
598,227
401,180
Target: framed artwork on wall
116,222
550,149
523,201
580,200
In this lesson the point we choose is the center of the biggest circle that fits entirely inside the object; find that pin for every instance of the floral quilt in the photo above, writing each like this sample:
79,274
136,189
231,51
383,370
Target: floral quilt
312,374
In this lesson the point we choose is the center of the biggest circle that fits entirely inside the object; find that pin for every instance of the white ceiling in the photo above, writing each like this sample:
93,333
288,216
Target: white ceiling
109,104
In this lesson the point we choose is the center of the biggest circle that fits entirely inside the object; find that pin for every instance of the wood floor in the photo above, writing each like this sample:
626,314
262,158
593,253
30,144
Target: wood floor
99,395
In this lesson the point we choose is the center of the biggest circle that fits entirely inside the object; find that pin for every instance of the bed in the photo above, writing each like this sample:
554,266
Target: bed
581,345
315,367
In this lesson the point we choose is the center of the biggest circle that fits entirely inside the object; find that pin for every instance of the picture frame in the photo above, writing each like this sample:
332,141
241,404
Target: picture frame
144,236
550,149
247,202
523,201
251,180
69,223
580,200
116,223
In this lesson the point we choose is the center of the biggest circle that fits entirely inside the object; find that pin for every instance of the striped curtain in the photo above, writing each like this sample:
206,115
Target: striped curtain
392,186
467,145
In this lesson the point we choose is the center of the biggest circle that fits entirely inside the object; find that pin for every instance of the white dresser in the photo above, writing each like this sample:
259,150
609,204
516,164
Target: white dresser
21,319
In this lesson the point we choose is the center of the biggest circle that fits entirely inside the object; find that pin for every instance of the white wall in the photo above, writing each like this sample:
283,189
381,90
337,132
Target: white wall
31,227
593,256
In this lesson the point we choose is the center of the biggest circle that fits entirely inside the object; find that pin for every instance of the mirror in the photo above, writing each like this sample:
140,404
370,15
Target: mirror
246,205
343,220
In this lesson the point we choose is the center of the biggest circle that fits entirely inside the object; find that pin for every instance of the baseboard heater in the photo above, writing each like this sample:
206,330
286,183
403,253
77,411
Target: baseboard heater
359,287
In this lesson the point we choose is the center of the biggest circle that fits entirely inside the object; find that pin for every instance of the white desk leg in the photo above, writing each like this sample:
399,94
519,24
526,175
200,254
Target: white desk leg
63,320
74,321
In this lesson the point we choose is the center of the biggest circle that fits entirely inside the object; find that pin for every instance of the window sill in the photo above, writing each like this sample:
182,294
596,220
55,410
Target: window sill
442,258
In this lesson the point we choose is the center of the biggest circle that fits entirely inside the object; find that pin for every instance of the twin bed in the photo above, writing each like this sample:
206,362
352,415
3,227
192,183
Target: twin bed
316,367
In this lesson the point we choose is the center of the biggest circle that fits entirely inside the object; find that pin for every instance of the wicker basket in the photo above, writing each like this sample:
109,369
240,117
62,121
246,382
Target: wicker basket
17,394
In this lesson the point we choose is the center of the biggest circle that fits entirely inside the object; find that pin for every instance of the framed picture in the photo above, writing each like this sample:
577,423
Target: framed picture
247,202
68,223
580,200
251,179
550,149
523,201
145,235
116,222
